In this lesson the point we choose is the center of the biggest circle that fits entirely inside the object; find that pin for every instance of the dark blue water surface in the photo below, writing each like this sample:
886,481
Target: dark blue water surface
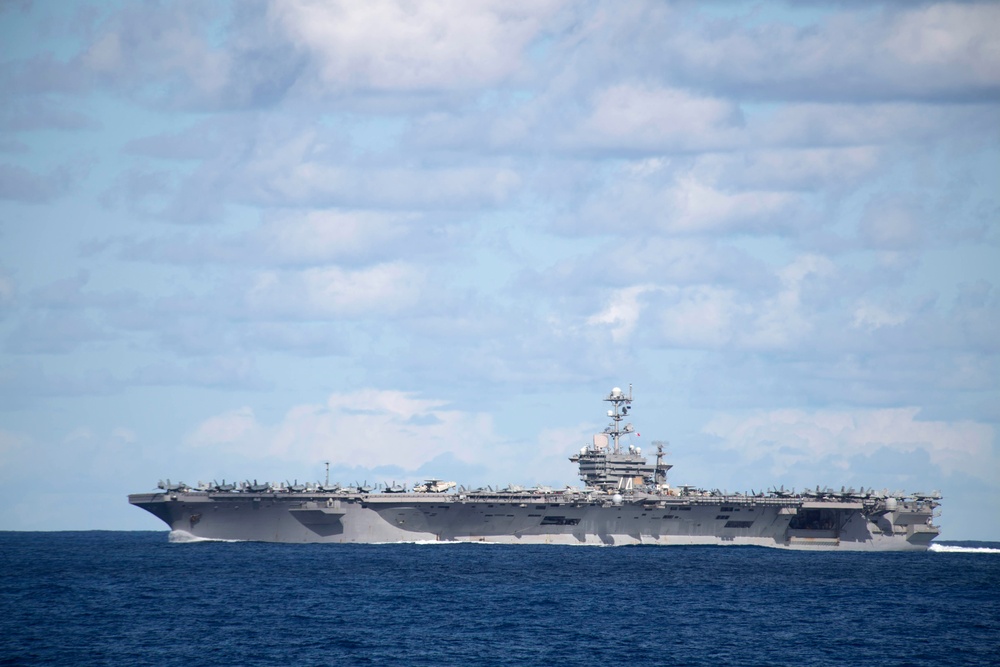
129,598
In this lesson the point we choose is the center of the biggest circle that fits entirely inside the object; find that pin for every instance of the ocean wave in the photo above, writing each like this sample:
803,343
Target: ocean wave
184,537
421,542
950,548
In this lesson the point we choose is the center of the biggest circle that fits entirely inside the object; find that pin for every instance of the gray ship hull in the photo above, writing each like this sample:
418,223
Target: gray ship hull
625,501
789,523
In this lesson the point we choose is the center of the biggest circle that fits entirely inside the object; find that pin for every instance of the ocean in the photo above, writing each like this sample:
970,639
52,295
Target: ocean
136,598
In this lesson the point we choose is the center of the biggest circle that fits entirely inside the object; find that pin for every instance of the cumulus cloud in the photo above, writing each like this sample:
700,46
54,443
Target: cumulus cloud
175,46
328,184
331,292
842,124
637,259
283,164
42,114
874,316
621,313
391,45
55,332
893,222
638,118
945,38
792,169
23,185
291,238
233,428
337,236
218,372
942,51
367,427
663,198
709,316
788,438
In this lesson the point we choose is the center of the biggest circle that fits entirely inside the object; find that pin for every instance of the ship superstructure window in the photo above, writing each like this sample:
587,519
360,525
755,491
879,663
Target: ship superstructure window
738,524
720,517
725,509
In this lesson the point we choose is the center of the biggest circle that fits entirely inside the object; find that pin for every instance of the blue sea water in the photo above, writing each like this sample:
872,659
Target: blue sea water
135,598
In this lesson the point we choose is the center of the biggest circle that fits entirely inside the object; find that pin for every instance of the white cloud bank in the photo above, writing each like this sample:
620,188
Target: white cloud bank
788,438
386,45
367,428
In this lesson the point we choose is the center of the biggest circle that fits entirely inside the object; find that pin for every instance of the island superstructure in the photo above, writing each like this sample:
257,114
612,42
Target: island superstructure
624,500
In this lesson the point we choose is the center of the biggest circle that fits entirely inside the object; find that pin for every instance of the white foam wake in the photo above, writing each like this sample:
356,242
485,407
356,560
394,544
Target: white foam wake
184,537
948,548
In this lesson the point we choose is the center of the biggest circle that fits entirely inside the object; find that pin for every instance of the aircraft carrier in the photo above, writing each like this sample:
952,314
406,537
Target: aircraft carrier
624,500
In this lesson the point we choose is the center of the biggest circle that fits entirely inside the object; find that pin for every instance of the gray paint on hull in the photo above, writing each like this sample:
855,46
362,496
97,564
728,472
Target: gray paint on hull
311,518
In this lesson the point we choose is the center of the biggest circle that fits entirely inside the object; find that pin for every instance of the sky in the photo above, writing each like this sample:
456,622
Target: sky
239,240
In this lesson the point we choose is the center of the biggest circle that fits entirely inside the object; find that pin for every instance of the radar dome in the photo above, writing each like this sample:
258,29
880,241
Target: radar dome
617,499
617,391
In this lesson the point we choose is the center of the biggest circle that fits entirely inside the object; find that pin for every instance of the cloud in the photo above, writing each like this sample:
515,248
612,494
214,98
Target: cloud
332,292
656,196
230,429
646,259
789,438
30,114
168,56
840,123
311,237
340,236
323,184
707,316
284,164
217,371
622,313
873,316
940,52
892,222
386,45
23,185
946,38
366,427
54,332
792,169
638,118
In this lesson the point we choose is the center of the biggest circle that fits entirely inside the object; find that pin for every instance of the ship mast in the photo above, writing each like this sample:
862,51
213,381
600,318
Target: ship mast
619,411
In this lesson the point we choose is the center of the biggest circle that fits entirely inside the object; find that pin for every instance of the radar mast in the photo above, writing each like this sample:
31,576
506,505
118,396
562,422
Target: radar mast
621,404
